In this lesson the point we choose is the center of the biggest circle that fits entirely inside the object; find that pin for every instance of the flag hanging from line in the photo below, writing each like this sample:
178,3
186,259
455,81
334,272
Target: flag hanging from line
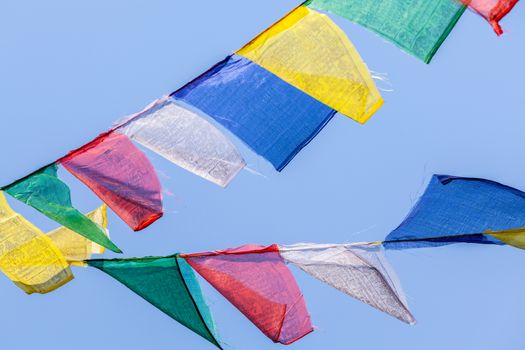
271,116
309,51
359,270
492,10
256,281
44,191
459,209
168,284
186,139
121,175
27,256
418,27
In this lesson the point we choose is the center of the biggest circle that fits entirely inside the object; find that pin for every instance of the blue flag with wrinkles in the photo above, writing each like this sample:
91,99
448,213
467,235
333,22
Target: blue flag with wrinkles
271,116
458,209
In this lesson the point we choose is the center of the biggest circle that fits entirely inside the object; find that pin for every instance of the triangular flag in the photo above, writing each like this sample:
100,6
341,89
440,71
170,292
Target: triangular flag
258,283
357,270
168,284
459,209
44,191
121,175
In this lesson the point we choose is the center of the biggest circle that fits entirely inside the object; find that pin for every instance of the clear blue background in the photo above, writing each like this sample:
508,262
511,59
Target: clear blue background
68,69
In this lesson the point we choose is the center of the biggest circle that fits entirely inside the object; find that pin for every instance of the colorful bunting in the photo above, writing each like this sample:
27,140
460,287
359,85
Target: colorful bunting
309,51
76,248
44,191
121,175
187,140
418,27
168,284
272,117
27,256
459,209
360,271
492,10
258,283
275,94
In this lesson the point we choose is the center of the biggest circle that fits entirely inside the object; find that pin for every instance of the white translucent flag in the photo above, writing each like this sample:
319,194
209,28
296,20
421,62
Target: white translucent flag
357,270
187,140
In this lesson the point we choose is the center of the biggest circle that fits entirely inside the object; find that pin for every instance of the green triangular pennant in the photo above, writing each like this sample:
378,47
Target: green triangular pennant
169,284
45,192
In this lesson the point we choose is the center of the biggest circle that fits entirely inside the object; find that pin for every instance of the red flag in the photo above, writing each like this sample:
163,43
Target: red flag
121,175
492,10
257,281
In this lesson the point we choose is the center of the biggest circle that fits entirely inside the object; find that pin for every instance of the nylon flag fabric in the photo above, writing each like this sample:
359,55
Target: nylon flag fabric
27,256
357,270
76,248
121,175
492,10
44,191
256,281
418,27
187,140
272,117
309,51
168,284
459,209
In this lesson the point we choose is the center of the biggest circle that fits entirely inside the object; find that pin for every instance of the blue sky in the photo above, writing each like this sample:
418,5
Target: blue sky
69,69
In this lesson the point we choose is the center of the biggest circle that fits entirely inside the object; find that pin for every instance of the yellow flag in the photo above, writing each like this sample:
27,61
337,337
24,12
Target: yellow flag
310,52
27,256
515,237
77,248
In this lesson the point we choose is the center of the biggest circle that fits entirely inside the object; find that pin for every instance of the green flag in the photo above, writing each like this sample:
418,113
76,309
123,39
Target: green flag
418,27
45,192
169,284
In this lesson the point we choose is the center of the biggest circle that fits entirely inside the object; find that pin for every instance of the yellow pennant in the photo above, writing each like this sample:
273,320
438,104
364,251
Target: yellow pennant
514,237
77,248
310,52
27,256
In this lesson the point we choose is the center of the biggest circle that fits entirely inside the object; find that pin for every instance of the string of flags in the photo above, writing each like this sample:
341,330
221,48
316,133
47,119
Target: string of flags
275,94
256,279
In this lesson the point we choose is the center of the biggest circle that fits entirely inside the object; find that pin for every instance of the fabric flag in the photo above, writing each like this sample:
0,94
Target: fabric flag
309,51
459,209
74,247
515,238
121,175
186,139
418,27
492,10
256,281
360,271
44,191
272,117
27,256
167,283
